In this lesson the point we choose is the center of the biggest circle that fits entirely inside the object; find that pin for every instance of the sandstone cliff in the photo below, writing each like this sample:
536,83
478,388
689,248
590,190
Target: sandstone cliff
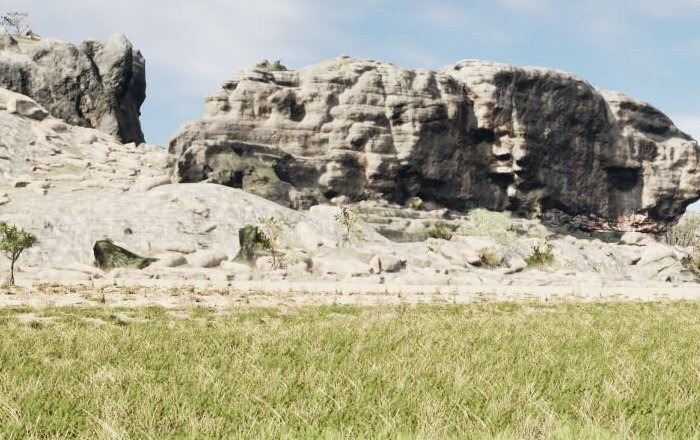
97,85
474,134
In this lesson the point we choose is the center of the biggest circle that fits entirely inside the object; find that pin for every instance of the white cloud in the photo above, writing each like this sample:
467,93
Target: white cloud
688,123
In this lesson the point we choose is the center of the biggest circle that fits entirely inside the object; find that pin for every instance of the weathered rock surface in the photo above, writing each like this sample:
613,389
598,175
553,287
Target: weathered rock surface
474,134
96,84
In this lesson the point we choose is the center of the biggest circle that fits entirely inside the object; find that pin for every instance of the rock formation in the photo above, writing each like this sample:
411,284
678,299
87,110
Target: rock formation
474,134
74,187
97,85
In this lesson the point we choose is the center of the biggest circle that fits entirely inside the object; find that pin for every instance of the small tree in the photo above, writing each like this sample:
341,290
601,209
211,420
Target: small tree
348,224
15,22
14,241
271,229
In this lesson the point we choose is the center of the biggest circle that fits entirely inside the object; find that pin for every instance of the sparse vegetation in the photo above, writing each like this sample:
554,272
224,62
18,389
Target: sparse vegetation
541,255
484,223
440,230
348,226
271,230
274,66
686,233
415,203
16,23
692,261
486,370
14,241
491,257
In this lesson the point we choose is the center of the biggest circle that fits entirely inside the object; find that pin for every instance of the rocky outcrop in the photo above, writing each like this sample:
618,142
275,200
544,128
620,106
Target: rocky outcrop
474,134
76,187
97,85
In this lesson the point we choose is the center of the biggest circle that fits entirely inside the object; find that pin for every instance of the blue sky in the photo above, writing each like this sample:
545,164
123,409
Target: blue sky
649,49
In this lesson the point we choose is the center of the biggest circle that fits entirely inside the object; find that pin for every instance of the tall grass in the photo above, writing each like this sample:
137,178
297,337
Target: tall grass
627,370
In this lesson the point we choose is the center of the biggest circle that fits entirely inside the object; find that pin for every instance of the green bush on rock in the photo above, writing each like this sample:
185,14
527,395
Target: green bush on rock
541,255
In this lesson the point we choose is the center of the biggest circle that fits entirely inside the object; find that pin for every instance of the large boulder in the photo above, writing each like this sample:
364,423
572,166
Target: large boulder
474,134
96,84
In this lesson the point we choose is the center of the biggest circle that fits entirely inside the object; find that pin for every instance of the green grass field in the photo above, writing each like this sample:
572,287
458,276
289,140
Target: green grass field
618,370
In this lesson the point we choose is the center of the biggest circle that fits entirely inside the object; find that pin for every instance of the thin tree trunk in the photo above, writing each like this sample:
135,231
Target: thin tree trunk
11,281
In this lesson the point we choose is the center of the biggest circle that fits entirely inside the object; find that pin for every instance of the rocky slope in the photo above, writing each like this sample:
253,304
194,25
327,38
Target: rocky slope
474,134
96,84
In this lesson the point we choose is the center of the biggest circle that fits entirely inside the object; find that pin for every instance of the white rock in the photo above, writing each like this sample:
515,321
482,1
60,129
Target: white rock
181,248
632,238
308,236
654,253
170,260
386,263
147,183
235,268
206,258
515,264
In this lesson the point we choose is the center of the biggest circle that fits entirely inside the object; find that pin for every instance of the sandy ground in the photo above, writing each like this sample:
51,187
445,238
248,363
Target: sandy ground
286,294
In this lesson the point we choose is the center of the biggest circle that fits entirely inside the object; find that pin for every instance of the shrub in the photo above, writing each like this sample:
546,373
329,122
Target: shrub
541,255
348,226
14,241
692,262
686,232
440,230
415,203
275,66
484,223
271,230
491,257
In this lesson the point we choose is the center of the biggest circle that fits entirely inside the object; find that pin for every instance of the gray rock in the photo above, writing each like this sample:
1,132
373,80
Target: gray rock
474,134
97,85
386,263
